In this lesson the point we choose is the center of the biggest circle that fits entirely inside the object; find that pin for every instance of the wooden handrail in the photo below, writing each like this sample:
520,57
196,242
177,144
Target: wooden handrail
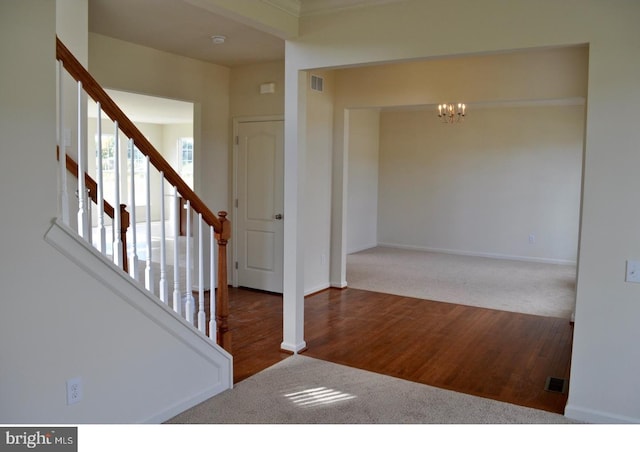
221,225
109,107
92,187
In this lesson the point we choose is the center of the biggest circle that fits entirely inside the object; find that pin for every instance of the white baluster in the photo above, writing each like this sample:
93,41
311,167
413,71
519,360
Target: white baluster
190,302
213,327
118,257
148,274
82,191
133,255
177,301
202,316
102,235
163,285
62,151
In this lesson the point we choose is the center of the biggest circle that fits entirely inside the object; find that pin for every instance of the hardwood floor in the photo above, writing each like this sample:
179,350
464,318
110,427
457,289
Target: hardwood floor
493,354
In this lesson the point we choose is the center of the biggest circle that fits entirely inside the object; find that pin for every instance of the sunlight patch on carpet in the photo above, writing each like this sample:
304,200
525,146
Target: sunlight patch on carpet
318,396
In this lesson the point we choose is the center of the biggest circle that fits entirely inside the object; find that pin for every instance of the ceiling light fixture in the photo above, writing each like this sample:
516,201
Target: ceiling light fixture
218,39
452,113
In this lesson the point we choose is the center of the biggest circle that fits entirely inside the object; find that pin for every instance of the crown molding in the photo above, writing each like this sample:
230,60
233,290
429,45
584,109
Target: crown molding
317,7
292,7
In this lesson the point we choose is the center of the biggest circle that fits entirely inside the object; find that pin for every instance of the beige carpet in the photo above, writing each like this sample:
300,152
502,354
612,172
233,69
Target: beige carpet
303,390
508,285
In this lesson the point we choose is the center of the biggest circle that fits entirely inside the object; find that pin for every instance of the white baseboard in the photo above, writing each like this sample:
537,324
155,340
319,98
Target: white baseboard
362,248
316,289
184,406
542,260
590,416
295,348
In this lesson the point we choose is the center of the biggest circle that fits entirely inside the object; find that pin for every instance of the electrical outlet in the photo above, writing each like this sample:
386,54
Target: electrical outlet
633,271
532,238
74,390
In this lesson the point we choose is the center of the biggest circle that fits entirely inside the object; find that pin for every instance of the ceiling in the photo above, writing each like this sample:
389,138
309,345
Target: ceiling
178,27
183,28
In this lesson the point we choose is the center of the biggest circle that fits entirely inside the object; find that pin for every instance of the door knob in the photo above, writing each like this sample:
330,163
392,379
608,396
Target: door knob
278,216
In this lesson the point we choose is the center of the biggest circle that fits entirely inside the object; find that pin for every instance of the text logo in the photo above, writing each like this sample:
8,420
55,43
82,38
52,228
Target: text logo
51,439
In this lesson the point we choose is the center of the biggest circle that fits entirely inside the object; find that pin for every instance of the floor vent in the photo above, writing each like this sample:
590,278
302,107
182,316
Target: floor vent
554,384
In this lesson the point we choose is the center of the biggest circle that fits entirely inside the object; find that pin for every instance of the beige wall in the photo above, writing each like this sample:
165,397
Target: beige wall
244,90
363,175
318,189
128,67
484,186
420,29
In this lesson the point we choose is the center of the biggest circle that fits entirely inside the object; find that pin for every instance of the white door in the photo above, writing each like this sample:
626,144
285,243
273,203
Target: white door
260,205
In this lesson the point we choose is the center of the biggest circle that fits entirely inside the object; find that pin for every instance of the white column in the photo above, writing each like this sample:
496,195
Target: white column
163,285
148,273
133,254
294,174
177,300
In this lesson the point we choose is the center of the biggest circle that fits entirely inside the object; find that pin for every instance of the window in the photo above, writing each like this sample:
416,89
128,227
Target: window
185,159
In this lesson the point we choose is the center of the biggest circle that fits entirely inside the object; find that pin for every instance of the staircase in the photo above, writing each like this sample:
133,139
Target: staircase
146,261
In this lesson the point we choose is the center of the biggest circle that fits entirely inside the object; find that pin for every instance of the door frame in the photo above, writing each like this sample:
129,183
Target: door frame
234,195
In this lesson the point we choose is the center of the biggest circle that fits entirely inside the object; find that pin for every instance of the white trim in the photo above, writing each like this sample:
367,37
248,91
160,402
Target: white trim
597,417
339,285
288,6
317,7
316,289
181,407
542,260
295,348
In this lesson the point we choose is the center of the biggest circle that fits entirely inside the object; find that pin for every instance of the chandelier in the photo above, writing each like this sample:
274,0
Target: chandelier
451,113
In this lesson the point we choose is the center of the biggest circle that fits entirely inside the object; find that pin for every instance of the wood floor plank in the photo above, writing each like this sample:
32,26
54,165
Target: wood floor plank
495,354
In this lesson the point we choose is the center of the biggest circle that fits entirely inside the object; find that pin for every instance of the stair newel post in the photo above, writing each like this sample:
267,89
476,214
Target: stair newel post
163,284
133,256
177,301
119,253
222,298
148,274
202,317
189,302
102,235
83,227
62,151
125,222
212,286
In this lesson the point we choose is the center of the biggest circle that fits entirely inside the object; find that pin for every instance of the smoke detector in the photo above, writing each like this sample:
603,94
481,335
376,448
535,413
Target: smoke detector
218,39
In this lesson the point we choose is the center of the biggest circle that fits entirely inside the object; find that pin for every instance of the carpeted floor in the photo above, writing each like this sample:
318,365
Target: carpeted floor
508,285
303,390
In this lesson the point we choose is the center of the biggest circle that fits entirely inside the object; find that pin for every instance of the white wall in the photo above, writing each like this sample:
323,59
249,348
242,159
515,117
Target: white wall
603,384
362,196
57,326
482,187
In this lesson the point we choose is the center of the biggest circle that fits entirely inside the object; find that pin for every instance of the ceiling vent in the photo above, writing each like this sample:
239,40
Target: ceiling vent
317,83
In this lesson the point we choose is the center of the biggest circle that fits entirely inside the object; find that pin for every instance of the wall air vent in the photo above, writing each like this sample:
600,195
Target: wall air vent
317,83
